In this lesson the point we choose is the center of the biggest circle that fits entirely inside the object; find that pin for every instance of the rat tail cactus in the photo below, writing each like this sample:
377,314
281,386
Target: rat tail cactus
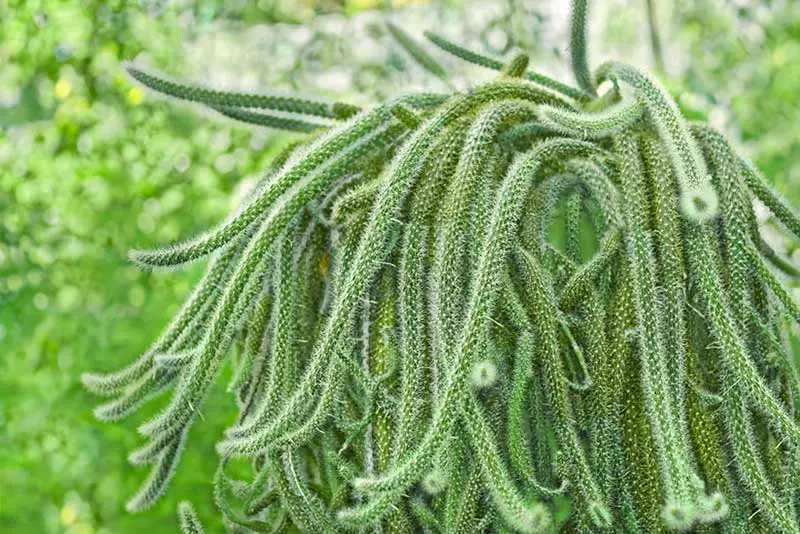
524,307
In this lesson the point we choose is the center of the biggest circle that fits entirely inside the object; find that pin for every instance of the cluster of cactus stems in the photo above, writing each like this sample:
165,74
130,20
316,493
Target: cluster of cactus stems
464,312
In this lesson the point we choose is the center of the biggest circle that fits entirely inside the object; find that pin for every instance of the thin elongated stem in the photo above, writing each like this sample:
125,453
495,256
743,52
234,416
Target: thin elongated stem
664,406
271,121
189,522
229,99
578,47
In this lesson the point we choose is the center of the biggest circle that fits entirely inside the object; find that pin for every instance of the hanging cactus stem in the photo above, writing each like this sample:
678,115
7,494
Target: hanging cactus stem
419,347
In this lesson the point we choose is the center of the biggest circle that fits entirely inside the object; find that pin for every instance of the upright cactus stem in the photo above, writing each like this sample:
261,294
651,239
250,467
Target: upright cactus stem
450,309
516,67
189,522
578,47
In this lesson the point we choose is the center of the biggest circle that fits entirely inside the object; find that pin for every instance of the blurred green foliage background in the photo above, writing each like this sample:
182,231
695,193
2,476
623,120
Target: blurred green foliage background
90,166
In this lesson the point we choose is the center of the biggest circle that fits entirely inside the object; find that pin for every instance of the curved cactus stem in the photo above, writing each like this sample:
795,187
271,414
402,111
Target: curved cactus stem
596,125
663,113
150,386
451,270
414,332
160,475
232,99
520,449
